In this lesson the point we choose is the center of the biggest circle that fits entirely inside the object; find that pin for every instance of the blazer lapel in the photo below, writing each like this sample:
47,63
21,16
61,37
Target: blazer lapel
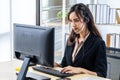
70,51
84,49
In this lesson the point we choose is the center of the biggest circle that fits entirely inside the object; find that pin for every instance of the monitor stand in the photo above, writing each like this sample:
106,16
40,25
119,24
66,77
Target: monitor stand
30,76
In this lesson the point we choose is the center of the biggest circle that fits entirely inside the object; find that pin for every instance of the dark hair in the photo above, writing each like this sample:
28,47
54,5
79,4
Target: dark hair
83,11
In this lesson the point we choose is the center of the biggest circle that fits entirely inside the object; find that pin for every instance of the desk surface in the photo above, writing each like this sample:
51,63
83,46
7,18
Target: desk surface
8,72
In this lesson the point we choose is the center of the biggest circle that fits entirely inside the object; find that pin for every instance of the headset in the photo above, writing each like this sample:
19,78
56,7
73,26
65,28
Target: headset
85,16
83,12
75,33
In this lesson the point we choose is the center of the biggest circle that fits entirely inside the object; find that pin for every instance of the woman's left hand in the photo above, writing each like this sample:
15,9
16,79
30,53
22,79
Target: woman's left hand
73,70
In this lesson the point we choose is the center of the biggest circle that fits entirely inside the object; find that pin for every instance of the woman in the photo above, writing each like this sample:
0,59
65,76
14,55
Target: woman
85,51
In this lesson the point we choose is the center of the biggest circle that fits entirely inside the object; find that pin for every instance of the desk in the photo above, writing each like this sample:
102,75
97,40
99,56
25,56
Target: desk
8,72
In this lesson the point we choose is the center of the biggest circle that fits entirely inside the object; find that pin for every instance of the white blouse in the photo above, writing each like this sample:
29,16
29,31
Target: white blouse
78,45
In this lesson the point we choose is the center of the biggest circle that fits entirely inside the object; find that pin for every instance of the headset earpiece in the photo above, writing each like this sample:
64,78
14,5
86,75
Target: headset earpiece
86,19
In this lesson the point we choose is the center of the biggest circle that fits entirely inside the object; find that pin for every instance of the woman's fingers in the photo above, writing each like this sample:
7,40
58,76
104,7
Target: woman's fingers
70,69
66,69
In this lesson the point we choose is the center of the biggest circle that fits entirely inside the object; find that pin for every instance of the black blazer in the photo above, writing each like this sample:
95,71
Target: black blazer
91,56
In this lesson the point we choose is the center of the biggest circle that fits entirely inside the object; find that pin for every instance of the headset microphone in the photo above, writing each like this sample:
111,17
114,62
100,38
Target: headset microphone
75,33
79,30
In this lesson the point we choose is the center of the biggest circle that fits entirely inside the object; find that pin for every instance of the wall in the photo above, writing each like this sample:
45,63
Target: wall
24,11
5,24
83,1
114,4
111,3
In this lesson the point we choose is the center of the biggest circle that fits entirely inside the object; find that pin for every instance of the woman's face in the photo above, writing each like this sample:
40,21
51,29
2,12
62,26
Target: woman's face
77,24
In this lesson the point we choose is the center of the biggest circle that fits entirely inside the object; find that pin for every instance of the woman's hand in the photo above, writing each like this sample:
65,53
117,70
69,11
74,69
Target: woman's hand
73,70
76,70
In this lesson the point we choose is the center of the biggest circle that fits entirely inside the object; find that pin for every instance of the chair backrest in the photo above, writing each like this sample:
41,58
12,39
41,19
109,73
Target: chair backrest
108,70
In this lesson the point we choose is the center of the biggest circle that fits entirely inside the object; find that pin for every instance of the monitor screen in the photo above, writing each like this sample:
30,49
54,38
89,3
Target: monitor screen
35,41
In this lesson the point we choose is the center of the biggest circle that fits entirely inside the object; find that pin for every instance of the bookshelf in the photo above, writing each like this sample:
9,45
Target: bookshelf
103,13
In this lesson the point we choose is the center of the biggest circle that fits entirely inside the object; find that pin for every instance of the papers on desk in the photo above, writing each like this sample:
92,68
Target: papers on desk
92,78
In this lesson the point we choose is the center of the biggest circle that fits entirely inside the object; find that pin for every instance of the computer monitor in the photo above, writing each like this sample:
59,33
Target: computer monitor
33,44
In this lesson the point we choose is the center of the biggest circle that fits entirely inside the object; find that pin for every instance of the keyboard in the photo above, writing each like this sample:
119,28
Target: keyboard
51,71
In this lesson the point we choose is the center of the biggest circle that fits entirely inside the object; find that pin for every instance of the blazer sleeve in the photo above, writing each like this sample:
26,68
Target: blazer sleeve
101,61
